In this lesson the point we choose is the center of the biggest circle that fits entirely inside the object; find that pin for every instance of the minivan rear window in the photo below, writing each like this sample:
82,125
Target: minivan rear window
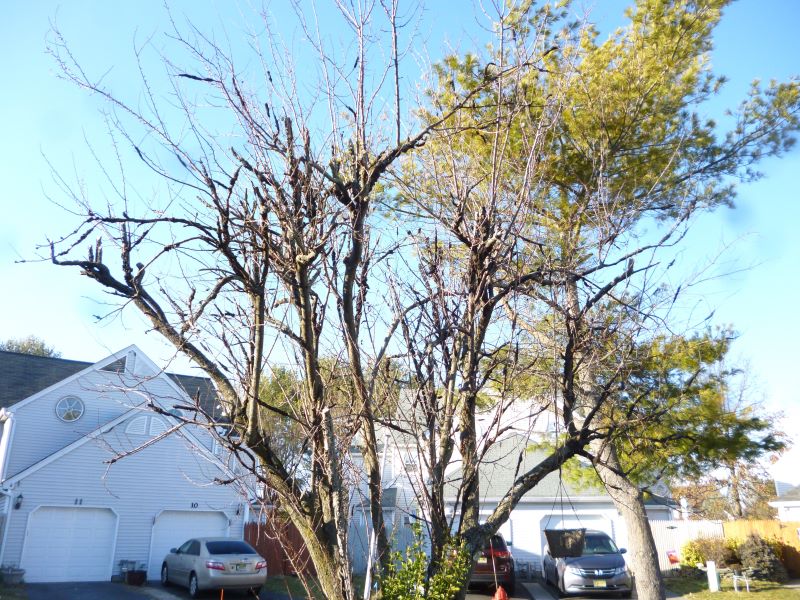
497,542
229,547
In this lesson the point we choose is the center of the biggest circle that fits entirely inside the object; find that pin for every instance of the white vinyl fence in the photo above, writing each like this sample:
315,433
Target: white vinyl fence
670,536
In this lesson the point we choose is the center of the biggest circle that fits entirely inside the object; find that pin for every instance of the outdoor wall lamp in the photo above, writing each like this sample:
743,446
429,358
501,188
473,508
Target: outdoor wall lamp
18,502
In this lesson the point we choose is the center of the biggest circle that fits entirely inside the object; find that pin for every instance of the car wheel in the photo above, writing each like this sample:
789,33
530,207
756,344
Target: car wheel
164,575
194,591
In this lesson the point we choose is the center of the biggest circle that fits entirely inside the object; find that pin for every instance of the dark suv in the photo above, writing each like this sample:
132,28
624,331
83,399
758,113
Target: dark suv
495,565
600,569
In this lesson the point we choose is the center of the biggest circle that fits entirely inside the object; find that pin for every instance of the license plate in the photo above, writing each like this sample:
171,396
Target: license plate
599,583
241,566
483,560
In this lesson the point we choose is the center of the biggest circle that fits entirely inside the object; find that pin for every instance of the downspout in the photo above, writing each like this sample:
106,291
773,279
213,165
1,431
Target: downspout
8,421
7,511
373,535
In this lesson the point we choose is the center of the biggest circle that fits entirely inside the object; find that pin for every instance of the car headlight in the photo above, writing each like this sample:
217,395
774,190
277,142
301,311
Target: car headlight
574,570
620,570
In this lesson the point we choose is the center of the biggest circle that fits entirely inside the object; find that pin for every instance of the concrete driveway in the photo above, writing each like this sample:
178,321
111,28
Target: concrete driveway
154,591
119,591
541,591
480,594
94,591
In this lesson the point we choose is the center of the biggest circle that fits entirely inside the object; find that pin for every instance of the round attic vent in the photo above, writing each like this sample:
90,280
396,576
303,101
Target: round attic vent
69,408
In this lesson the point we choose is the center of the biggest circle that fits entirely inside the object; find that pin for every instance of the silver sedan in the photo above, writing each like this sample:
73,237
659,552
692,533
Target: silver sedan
213,564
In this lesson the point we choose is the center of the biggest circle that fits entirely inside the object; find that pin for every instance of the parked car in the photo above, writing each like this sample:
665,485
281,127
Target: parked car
600,569
494,564
213,564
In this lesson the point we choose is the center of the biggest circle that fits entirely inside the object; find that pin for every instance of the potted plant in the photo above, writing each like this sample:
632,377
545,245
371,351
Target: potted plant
136,577
11,574
133,573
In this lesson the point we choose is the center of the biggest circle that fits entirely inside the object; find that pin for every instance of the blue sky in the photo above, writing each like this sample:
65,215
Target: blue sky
45,116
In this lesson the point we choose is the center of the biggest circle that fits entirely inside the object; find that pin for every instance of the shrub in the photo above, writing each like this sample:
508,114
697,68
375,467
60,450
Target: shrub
758,555
721,551
406,577
691,554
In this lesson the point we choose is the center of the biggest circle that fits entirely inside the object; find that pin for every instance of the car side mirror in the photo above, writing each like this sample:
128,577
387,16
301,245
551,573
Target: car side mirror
622,550
173,550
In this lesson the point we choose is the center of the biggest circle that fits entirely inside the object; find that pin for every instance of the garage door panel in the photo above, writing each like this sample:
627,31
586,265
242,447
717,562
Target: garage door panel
173,527
69,544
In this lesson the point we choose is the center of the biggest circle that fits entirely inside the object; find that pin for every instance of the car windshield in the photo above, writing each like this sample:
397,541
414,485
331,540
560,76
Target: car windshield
599,544
229,547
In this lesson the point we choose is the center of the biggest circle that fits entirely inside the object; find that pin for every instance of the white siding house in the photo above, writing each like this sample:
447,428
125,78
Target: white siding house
553,504
787,503
88,477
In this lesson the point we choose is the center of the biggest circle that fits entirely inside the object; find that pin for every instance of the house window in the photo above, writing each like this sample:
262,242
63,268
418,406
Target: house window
409,463
137,426
157,426
69,408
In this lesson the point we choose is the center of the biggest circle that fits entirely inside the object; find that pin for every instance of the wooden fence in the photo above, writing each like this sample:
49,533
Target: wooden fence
670,536
785,533
277,540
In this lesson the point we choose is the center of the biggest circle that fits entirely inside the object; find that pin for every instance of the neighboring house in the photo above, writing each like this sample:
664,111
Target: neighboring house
787,503
70,511
399,475
549,505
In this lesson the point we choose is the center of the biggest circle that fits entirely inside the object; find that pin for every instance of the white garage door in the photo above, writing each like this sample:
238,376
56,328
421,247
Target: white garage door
69,544
173,527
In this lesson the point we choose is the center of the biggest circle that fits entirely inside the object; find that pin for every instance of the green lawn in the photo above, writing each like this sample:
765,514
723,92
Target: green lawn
293,587
693,589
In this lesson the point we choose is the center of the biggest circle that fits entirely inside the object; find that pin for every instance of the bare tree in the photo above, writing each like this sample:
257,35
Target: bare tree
301,223
261,246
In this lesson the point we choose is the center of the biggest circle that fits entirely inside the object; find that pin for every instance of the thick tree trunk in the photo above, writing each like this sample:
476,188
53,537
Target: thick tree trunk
333,575
628,500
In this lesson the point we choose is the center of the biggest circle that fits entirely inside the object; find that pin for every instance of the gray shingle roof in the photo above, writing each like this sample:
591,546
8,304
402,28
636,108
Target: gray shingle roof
22,375
500,467
789,495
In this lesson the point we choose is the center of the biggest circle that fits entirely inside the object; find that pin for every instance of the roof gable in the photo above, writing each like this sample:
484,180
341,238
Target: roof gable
27,375
107,427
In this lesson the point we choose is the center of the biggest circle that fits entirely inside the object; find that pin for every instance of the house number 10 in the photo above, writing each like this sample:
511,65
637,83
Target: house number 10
194,505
